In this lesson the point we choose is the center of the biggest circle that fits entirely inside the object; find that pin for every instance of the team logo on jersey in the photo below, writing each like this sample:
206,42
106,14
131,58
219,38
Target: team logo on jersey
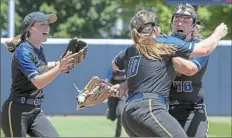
133,66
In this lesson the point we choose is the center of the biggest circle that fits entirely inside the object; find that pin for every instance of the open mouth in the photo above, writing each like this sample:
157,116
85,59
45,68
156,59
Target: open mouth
180,31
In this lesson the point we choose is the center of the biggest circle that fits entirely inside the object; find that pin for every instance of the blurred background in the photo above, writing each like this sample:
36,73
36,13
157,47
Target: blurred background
104,24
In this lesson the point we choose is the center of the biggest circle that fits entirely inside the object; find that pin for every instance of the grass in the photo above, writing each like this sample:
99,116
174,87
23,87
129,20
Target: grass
220,126
99,126
87,126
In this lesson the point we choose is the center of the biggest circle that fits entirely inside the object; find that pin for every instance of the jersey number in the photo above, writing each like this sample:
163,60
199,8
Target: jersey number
183,86
133,66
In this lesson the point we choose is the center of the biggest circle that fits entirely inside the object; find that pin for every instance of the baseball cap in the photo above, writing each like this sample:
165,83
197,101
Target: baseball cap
38,17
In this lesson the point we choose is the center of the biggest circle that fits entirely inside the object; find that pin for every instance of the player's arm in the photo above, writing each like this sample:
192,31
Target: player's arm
191,49
205,47
118,61
40,81
47,67
52,64
184,66
28,67
122,88
189,67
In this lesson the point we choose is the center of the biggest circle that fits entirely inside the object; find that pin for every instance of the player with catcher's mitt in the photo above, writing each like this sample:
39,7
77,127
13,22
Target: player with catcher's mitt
96,91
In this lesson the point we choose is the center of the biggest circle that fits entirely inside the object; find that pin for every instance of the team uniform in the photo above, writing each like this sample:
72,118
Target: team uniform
149,81
186,100
116,105
21,112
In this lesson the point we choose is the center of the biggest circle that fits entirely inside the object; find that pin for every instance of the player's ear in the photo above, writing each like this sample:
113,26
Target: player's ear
31,28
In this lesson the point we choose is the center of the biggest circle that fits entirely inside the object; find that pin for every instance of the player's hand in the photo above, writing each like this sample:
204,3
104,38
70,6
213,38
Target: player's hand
117,91
105,101
66,61
221,30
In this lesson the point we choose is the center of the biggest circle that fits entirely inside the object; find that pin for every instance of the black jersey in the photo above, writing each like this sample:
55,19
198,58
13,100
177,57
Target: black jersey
151,76
27,63
190,87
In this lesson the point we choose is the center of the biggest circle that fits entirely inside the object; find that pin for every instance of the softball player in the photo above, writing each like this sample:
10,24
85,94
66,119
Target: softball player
186,97
150,73
21,112
115,104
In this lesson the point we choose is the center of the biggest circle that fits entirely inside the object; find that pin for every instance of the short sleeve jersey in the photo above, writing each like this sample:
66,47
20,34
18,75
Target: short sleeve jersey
151,76
27,63
190,87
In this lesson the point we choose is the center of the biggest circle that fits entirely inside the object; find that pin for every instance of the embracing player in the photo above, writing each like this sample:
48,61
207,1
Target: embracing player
186,96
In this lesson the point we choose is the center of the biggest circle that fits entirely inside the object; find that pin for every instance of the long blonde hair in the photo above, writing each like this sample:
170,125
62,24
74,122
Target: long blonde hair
142,28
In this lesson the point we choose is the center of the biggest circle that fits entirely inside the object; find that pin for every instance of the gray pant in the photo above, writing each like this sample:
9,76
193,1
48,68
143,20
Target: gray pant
115,110
17,120
193,119
149,117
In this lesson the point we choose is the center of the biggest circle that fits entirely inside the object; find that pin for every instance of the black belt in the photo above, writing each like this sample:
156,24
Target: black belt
30,101
177,102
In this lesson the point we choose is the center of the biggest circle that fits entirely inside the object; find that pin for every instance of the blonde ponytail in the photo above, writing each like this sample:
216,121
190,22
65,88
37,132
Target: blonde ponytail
143,25
149,48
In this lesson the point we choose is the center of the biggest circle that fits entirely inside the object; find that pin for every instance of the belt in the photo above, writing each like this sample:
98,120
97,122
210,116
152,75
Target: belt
143,96
176,102
30,101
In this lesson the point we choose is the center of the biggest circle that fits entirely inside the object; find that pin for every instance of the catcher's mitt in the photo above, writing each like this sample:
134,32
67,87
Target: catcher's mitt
76,46
95,92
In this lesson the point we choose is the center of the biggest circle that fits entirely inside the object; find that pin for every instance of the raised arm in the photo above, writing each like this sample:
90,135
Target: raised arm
203,48
207,46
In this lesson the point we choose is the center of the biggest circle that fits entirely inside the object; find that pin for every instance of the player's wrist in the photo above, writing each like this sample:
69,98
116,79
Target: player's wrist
57,62
58,66
123,86
216,36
